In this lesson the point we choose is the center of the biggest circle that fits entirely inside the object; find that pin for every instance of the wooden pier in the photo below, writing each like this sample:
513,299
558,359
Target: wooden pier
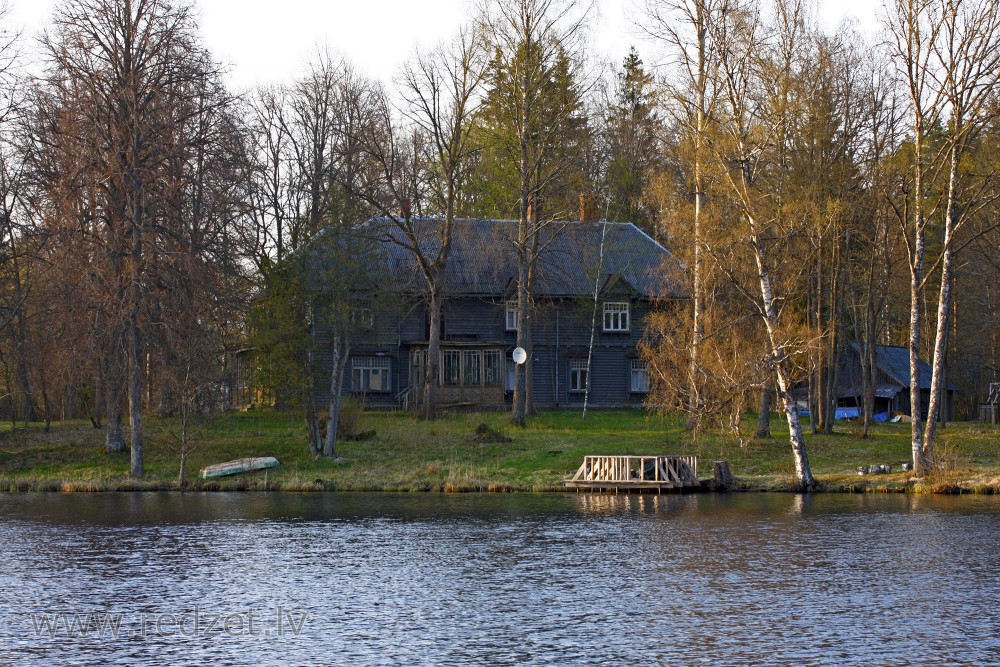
635,473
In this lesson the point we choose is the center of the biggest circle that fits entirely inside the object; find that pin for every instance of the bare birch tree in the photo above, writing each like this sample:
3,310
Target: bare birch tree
748,142
684,26
949,55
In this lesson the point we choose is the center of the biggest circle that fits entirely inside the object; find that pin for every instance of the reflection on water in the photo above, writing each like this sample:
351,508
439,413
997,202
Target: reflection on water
499,579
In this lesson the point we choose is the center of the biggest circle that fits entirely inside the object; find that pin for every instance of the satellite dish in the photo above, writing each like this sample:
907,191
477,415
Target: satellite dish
520,356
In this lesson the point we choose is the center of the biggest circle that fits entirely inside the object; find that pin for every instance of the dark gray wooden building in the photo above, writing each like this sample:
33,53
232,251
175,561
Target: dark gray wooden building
892,382
627,269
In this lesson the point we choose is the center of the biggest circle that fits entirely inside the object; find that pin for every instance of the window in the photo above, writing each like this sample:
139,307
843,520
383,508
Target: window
418,362
616,316
362,316
370,374
492,359
639,376
578,376
461,368
510,316
451,368
472,368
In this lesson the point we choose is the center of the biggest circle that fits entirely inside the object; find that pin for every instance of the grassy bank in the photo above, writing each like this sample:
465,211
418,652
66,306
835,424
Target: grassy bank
411,455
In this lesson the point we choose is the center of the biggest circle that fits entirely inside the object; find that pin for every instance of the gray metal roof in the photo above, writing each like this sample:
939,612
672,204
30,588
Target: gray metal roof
894,361
483,259
881,391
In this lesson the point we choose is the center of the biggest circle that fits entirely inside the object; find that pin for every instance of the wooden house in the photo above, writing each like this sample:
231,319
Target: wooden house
593,279
892,382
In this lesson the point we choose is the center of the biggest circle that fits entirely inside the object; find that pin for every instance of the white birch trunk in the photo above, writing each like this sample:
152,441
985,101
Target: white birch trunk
943,311
593,318
803,473
341,353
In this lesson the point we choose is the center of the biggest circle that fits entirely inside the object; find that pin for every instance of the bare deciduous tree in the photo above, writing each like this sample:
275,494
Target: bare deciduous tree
949,55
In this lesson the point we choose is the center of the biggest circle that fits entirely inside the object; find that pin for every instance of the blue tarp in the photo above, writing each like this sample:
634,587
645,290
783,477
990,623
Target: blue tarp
850,413
847,413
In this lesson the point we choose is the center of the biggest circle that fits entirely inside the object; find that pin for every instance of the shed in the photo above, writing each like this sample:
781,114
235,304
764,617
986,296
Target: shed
892,381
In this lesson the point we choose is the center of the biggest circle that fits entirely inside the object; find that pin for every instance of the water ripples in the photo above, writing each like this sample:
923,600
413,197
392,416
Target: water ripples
506,580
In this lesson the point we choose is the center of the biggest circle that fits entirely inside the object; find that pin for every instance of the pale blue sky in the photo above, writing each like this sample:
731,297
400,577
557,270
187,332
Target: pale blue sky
267,40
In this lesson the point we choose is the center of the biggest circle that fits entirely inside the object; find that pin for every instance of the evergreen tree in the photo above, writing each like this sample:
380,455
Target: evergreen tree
631,127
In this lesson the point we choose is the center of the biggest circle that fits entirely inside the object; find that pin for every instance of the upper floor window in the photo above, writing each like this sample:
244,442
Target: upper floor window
510,316
362,316
616,316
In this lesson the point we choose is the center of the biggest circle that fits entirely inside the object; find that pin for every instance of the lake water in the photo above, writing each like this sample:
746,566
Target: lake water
371,579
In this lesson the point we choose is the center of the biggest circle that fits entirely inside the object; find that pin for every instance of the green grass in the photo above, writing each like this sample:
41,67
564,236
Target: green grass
413,455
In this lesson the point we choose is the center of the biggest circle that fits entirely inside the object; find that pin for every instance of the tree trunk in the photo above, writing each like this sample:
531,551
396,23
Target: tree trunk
95,411
943,312
312,423
46,404
529,319
23,378
114,439
433,373
833,377
803,473
185,436
181,481
135,398
519,408
764,415
921,466
341,353
135,357
697,291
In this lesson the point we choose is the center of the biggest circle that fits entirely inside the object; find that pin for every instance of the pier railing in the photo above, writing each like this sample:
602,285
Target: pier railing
661,470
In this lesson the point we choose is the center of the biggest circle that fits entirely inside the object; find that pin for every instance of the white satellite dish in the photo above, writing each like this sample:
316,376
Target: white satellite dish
520,356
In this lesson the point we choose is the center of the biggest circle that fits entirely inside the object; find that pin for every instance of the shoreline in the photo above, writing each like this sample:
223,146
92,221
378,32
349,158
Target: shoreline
446,455
248,484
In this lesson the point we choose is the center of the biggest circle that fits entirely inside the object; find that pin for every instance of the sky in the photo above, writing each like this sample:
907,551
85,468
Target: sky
265,41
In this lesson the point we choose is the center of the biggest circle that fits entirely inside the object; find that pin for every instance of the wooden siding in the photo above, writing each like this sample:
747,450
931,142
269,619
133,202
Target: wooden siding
561,331
850,376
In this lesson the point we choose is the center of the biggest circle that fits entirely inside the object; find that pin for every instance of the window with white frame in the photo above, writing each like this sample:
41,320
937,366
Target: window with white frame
639,376
493,363
616,316
466,368
451,368
370,374
472,368
510,316
578,372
